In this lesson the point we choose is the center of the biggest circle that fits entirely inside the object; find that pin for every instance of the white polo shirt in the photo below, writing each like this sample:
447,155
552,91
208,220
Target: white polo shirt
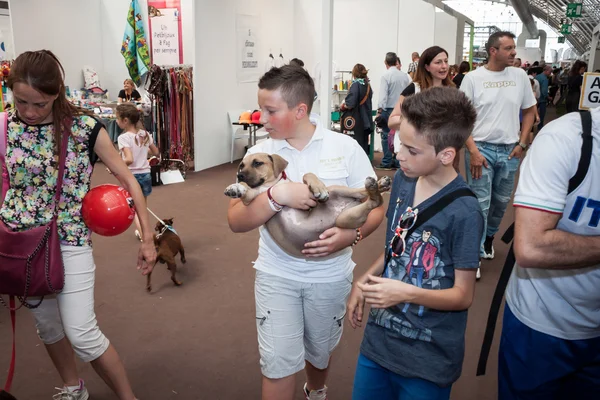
561,303
497,98
336,159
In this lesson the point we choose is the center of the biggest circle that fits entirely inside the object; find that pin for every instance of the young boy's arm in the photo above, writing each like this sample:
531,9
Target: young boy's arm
243,218
356,300
384,292
335,239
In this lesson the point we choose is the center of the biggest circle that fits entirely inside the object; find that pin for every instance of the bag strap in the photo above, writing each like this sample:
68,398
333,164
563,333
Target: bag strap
438,206
509,263
11,369
432,210
3,140
366,94
62,161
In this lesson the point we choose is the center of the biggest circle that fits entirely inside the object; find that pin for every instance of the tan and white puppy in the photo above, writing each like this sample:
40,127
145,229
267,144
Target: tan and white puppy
291,228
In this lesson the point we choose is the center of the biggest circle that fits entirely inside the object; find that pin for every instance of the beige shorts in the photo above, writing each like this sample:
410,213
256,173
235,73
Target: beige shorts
298,321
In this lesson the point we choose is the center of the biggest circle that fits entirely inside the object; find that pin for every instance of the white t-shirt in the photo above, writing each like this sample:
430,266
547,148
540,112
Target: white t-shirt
336,159
498,97
561,303
140,163
536,86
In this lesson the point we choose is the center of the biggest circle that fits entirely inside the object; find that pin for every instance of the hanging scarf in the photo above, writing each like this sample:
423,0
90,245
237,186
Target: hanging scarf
135,48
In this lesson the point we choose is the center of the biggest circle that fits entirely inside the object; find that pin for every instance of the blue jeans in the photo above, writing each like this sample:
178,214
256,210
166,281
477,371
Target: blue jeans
494,188
542,111
145,181
388,156
536,366
372,381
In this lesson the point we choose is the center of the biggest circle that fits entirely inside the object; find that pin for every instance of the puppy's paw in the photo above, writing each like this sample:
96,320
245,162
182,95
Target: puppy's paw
370,184
176,282
385,184
319,190
235,191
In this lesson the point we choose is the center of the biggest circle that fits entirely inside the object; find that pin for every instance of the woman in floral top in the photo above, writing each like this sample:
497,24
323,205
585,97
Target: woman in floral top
66,323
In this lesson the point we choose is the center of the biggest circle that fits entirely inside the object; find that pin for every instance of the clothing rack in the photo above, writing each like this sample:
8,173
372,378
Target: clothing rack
171,90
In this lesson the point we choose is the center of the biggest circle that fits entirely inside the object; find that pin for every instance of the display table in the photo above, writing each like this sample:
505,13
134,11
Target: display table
252,134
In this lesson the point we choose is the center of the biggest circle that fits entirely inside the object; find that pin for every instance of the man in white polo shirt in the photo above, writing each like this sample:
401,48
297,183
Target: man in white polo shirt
498,91
550,346
301,302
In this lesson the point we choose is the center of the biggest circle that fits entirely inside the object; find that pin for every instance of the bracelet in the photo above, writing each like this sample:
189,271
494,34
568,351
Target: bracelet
359,237
275,206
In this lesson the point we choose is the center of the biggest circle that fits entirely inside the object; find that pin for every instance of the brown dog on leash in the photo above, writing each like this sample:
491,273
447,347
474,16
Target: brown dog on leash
339,206
168,244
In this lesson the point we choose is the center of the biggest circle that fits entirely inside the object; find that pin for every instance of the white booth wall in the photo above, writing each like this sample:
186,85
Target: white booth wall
362,33
86,32
445,33
216,89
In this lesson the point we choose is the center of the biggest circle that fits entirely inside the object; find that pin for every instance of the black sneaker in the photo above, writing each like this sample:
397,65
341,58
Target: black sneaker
385,167
488,248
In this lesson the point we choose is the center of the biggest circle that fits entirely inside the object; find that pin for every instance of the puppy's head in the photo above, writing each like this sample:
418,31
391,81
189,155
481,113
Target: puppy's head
260,169
159,226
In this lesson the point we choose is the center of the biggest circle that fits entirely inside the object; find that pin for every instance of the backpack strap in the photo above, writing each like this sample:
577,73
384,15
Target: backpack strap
586,151
509,263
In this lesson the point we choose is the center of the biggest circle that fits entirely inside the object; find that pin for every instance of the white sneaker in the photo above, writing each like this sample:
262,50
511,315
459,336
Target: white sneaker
478,274
78,394
320,394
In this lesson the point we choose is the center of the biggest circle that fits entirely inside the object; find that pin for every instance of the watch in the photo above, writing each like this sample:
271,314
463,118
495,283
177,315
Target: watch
523,146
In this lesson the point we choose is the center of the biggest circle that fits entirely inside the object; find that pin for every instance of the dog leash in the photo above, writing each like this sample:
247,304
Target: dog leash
154,215
162,222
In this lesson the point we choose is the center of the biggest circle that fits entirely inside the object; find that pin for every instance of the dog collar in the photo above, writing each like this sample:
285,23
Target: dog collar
164,229
283,176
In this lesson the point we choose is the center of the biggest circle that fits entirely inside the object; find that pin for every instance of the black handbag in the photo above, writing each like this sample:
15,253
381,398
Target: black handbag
350,117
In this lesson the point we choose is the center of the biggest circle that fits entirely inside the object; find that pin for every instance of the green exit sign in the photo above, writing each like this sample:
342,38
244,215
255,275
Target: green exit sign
561,39
574,10
565,29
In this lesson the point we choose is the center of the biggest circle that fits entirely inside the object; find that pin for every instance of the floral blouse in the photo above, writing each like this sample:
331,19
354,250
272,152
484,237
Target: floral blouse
33,173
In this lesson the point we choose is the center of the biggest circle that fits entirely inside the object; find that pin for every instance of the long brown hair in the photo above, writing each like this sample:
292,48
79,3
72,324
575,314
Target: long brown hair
43,71
129,111
422,76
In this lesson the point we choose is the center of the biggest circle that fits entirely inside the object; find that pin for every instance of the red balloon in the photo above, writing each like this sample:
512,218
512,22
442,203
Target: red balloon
108,210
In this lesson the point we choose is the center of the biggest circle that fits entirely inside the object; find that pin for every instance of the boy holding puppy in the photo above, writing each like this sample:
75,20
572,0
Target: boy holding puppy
301,302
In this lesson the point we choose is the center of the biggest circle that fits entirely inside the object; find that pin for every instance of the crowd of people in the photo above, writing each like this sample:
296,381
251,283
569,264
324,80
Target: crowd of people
439,228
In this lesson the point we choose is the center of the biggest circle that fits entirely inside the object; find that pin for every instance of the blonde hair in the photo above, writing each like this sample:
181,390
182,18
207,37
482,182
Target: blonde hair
131,82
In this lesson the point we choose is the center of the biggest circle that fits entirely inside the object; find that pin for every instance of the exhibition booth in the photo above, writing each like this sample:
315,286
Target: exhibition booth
217,51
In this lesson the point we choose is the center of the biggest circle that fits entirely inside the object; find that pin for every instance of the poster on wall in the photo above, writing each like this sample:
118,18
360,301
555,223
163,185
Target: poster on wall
166,39
247,61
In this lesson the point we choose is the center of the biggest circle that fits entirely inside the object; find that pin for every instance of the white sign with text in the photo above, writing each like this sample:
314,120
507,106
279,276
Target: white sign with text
165,37
590,91
247,48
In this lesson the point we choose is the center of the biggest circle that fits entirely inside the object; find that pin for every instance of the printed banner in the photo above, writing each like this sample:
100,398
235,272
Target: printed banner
165,32
247,48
